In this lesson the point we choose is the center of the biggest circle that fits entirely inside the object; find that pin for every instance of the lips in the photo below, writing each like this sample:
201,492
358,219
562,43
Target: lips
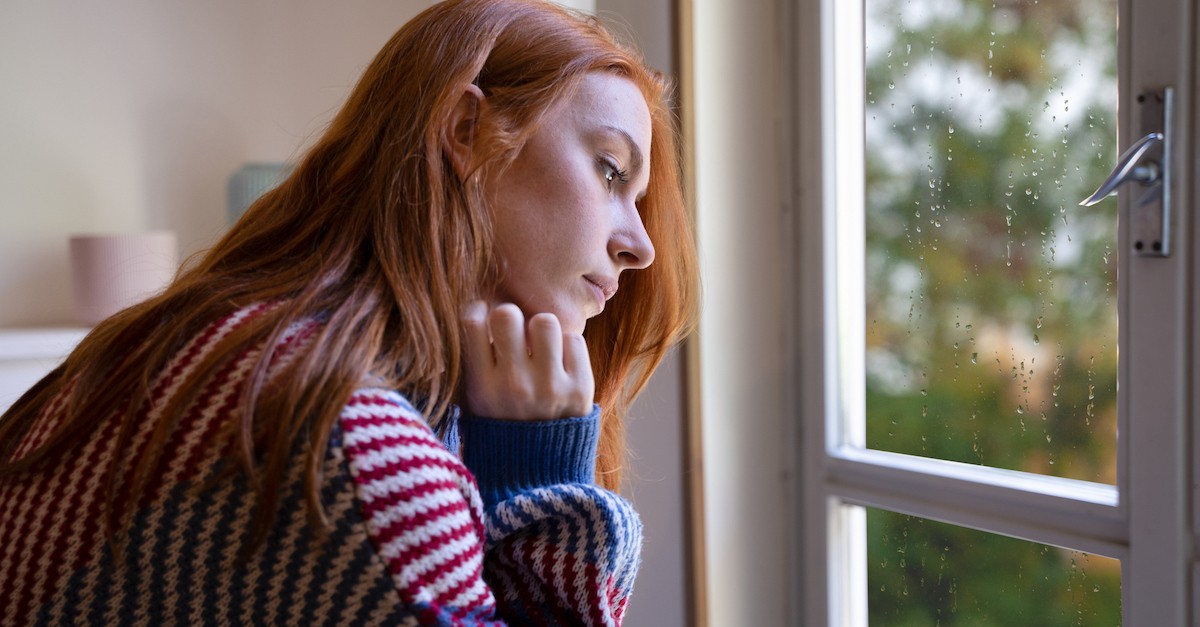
607,286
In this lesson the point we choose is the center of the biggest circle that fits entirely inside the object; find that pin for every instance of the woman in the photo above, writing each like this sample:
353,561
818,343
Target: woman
373,400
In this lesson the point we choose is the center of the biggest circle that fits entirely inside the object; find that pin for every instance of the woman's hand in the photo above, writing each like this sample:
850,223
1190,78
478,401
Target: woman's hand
523,370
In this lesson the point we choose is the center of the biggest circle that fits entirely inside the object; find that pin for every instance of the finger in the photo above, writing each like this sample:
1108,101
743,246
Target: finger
507,325
579,368
545,344
576,360
478,341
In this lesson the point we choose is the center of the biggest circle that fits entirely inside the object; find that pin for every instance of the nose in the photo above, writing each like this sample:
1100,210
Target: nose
630,244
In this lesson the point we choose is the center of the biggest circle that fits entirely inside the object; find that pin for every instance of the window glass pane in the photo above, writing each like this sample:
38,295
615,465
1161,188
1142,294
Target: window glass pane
991,295
921,572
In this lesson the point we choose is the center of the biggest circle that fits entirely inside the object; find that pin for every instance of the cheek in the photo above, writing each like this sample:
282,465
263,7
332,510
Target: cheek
548,215
559,210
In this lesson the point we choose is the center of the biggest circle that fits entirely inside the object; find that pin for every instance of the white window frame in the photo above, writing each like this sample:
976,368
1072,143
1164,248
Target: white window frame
1146,520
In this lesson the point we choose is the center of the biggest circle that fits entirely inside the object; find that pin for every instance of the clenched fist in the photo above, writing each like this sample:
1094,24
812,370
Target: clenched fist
523,370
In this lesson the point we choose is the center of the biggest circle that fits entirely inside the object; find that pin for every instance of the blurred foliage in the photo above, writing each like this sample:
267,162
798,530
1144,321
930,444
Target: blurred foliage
991,295
938,574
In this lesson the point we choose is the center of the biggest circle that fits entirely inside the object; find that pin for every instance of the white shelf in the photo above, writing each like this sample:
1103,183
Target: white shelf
28,354
22,344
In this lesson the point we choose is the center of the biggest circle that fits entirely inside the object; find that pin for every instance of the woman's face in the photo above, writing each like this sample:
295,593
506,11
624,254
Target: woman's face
565,218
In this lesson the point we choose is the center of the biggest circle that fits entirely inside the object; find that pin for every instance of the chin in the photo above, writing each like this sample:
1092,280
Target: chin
573,327
572,323
570,319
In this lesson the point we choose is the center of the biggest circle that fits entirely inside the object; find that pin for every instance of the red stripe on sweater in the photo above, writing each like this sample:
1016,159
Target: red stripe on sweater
365,405
408,523
91,505
417,547
411,468
74,544
387,416
26,533
379,442
616,600
201,417
385,490
192,350
16,541
86,488
375,397
48,418
432,544
26,540
568,592
390,469
373,400
207,421
592,582
442,570
480,603
161,391
522,571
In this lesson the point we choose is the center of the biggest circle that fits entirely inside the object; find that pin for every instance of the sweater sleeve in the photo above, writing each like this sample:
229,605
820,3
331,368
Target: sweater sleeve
560,550
546,551
509,457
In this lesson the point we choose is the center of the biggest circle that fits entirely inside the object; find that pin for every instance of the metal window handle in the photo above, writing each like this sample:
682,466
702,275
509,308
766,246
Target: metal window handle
1147,162
1130,168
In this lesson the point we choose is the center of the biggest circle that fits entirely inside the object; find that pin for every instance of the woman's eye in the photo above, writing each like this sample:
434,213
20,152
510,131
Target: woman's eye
612,174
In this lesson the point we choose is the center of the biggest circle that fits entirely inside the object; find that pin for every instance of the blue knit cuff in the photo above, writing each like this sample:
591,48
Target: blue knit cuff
509,457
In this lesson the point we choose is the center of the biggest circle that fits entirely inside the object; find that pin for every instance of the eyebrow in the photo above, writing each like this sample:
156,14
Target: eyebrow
635,152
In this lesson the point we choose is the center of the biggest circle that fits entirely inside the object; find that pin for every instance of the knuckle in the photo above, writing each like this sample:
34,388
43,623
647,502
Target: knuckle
580,402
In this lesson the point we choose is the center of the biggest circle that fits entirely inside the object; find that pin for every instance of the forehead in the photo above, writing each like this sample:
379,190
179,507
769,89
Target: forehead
604,99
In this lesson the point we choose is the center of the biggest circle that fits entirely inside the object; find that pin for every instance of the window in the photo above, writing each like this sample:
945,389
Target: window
959,284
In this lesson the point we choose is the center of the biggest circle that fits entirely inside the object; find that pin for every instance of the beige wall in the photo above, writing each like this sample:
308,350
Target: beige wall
131,114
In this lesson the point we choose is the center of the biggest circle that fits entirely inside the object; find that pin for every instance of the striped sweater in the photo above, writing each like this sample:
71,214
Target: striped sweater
413,536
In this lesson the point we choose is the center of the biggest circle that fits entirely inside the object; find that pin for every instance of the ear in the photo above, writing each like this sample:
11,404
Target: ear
458,136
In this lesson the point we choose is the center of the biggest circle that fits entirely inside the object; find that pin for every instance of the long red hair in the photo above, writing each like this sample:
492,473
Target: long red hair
374,233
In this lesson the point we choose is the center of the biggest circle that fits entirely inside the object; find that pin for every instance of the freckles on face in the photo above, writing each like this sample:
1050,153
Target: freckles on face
565,219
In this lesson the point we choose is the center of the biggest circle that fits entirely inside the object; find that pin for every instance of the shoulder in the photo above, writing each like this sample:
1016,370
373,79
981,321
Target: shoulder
231,346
